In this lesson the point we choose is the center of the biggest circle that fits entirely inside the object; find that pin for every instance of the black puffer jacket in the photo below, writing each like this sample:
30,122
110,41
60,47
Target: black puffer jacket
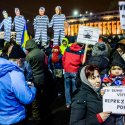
86,104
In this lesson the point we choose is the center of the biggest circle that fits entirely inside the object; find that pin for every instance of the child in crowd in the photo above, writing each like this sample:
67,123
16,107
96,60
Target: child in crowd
64,45
116,77
55,67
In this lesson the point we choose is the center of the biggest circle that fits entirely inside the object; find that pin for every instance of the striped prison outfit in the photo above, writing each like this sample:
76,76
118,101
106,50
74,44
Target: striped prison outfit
7,23
58,26
40,26
19,23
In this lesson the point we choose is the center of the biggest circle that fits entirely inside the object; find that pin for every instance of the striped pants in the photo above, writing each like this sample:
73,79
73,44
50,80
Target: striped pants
58,36
41,35
7,35
19,36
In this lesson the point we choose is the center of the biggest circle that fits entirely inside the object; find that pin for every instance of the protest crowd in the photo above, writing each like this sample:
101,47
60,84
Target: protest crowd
37,73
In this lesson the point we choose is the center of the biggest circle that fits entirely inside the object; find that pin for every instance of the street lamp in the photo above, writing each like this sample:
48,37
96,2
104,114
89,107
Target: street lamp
90,13
86,12
75,13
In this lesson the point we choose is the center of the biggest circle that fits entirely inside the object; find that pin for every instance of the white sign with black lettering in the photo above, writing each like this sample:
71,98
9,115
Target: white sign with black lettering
114,99
122,13
88,35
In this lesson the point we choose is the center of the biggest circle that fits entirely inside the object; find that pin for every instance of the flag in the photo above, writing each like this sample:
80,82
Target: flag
25,36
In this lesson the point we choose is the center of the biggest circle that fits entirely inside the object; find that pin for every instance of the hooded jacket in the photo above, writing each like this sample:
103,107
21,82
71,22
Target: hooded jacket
62,47
14,93
36,59
72,58
86,104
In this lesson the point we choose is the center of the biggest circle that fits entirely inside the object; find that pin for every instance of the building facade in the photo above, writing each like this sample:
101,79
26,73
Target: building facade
108,22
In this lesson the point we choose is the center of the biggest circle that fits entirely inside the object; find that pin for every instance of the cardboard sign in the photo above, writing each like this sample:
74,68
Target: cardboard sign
114,99
122,13
88,35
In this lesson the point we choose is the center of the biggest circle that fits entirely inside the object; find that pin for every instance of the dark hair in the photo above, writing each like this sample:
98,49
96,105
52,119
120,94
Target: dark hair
89,70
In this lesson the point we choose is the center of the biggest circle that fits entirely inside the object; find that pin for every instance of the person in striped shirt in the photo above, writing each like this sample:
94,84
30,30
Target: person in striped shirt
19,23
57,23
41,23
7,23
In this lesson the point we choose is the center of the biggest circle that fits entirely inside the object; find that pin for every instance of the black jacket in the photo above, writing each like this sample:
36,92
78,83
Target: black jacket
85,106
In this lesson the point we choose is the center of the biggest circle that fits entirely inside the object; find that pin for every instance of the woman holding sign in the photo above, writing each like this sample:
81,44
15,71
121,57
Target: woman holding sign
86,108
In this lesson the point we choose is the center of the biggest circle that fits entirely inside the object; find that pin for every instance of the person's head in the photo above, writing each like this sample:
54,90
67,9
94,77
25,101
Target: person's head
30,45
58,10
17,11
55,54
65,42
120,47
93,76
90,76
116,70
41,11
56,49
109,39
5,14
17,55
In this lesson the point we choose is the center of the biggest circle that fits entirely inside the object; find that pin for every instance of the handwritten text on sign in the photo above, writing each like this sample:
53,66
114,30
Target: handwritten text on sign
114,99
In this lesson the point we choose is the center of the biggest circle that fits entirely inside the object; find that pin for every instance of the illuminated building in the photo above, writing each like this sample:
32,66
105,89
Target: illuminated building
108,22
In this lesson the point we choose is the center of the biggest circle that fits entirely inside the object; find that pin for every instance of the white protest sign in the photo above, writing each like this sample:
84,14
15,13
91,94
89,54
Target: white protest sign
114,99
88,35
122,13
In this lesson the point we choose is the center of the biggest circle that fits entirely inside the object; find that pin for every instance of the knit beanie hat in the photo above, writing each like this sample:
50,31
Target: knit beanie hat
100,49
118,62
56,47
17,52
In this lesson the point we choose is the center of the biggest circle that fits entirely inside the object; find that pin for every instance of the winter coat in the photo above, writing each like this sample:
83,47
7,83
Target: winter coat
14,93
57,65
36,59
62,47
72,58
86,104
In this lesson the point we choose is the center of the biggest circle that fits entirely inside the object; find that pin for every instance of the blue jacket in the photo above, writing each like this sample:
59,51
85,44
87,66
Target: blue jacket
14,93
57,65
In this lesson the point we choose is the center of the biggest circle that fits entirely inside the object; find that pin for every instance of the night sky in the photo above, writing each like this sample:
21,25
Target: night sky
29,8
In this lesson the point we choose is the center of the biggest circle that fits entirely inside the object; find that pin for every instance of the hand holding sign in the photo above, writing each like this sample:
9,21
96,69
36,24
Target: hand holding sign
104,115
114,99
